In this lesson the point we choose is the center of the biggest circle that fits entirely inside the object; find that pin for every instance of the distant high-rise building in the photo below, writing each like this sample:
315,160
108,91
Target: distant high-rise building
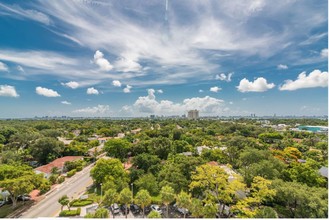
193,114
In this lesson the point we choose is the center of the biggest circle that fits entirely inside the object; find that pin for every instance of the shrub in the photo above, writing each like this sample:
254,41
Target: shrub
84,202
53,178
70,212
44,187
71,173
61,179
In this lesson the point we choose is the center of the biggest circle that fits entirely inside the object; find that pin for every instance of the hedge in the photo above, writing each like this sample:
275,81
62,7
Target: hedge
83,202
71,173
70,213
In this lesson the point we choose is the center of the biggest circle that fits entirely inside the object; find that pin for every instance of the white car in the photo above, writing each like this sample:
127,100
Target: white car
115,208
156,208
182,211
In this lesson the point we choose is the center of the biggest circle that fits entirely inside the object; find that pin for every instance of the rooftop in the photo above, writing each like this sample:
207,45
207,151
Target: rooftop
59,163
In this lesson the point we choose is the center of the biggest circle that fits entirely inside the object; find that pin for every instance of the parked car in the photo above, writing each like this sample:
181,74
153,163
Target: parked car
182,211
134,208
115,208
123,209
156,208
2,203
24,198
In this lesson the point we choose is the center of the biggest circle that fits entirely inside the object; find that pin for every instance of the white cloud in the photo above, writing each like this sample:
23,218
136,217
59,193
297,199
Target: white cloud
10,91
215,89
224,77
20,68
231,103
71,84
259,85
148,104
92,91
103,63
160,91
3,67
17,11
127,89
324,52
46,92
116,83
127,65
96,110
200,90
282,67
315,79
66,102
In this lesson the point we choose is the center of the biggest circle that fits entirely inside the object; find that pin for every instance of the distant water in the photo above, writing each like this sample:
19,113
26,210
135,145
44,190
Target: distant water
313,128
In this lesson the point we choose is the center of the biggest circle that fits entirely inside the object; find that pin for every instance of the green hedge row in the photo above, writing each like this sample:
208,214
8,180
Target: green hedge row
71,173
66,213
83,202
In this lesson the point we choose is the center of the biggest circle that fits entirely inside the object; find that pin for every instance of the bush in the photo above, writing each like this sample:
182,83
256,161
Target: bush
44,187
83,202
71,173
61,179
53,178
70,213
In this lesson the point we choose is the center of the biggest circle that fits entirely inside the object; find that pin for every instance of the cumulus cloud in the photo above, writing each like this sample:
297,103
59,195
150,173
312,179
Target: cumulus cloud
200,90
3,67
215,89
160,91
96,110
116,83
231,103
127,89
149,105
127,65
224,77
315,79
46,92
324,52
103,63
282,67
66,102
71,84
259,85
6,90
92,91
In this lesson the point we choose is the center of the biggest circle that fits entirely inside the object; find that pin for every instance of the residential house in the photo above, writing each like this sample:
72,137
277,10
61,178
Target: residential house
58,163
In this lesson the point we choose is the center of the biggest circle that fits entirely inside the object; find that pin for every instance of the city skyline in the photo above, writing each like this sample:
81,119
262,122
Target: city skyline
138,58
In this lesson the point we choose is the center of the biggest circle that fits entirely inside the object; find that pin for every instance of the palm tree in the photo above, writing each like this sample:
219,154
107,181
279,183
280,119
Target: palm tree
143,199
183,200
125,197
167,194
64,201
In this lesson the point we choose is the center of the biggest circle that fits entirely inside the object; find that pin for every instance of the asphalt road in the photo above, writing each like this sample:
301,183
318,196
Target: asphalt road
72,187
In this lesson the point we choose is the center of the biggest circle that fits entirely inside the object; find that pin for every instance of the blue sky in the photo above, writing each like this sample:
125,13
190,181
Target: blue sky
136,58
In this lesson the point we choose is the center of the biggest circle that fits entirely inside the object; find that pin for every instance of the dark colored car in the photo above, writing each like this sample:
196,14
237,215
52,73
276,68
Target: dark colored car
123,209
134,208
23,198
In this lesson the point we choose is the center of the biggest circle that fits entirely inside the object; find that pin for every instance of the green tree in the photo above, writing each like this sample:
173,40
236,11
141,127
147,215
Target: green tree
209,210
148,182
118,148
145,161
183,200
196,208
101,213
64,201
46,149
266,212
110,197
125,197
143,199
154,214
107,167
167,194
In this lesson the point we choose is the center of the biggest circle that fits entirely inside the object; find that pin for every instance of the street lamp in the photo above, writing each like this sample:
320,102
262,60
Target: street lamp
101,193
132,192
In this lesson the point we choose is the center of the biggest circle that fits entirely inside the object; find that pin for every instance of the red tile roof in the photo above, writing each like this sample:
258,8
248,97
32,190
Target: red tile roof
59,163
213,163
